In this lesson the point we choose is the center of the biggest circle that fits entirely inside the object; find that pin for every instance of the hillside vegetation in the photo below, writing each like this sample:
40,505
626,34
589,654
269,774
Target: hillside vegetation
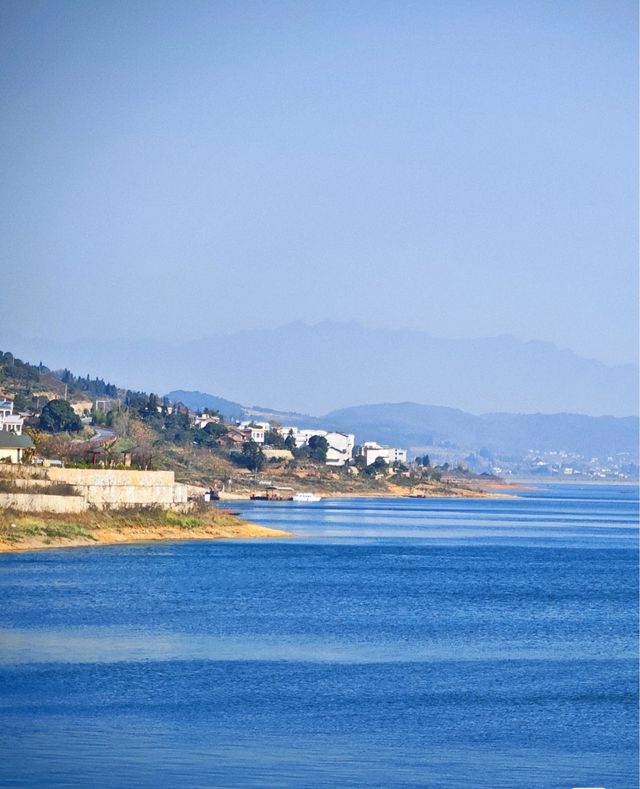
28,532
139,429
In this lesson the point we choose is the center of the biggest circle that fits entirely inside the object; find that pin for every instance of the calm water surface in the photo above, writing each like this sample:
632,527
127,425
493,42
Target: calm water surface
393,643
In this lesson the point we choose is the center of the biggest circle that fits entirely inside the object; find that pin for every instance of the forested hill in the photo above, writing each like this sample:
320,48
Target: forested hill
31,385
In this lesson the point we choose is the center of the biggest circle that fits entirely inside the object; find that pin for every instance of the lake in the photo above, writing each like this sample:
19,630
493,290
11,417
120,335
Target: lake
392,643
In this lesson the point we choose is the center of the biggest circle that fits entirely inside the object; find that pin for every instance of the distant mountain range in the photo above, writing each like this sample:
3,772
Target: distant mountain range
406,424
414,425
417,426
329,366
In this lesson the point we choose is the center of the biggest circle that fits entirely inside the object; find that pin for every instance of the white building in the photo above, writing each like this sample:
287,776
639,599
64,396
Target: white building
254,423
254,430
304,434
397,455
340,449
8,420
12,442
371,451
201,421
301,435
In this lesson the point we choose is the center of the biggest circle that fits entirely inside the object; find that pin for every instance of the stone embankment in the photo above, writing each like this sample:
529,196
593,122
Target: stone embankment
72,490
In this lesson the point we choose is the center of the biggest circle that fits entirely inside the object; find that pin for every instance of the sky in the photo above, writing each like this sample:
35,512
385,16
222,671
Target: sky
175,170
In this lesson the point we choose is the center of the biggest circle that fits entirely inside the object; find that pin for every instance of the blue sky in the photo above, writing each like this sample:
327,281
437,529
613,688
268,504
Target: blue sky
183,169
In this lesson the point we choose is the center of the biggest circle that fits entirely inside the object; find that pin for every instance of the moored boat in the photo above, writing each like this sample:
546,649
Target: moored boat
305,497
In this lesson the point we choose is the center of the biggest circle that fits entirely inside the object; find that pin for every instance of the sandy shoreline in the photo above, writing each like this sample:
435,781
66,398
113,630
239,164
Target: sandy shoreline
19,533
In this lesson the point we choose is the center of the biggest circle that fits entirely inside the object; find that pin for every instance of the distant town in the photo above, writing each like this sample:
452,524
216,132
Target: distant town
543,464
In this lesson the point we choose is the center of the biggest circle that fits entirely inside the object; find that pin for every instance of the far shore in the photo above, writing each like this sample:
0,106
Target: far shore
537,481
494,490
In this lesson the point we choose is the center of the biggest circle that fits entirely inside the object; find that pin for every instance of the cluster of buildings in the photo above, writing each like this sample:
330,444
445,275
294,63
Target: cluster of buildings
622,466
538,463
13,442
341,447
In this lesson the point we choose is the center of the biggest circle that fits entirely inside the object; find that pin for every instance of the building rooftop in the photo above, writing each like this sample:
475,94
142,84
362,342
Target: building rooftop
9,440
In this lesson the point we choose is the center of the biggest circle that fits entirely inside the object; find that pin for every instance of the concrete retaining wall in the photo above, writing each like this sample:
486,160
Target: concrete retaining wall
36,502
32,482
130,495
110,477
102,488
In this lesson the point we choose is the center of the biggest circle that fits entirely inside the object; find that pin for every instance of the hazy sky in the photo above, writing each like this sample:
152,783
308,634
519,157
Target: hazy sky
178,169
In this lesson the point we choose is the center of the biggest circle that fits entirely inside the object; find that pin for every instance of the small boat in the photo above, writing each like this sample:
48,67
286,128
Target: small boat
305,498
266,497
273,493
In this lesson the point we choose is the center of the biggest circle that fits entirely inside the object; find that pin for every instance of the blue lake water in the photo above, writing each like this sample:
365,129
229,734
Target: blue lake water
393,643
